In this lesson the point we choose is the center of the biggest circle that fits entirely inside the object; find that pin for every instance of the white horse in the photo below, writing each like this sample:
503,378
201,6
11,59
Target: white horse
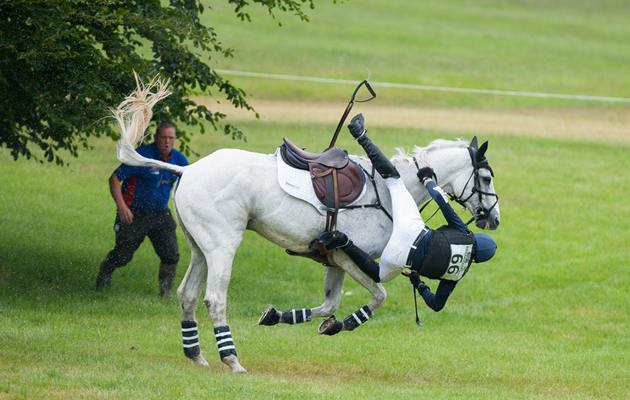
225,193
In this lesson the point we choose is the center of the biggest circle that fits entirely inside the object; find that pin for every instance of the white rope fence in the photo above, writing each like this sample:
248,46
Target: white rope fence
425,87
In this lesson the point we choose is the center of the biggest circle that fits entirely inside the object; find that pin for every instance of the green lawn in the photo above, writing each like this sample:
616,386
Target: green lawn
546,319
573,47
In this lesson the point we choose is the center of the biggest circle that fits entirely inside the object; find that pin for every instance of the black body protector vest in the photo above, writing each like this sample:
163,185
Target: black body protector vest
449,254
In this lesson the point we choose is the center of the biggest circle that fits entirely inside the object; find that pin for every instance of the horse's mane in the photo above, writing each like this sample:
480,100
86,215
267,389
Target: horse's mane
420,152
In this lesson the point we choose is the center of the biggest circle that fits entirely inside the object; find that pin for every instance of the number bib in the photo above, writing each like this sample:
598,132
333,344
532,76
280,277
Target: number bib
459,262
449,254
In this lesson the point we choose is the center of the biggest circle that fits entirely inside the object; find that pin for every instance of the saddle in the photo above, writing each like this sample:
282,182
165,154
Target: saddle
336,179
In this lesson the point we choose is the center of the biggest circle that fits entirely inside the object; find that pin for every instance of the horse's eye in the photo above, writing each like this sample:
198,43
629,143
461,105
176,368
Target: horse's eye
487,180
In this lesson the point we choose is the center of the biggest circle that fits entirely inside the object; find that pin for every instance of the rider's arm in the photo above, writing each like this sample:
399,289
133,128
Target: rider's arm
437,301
440,198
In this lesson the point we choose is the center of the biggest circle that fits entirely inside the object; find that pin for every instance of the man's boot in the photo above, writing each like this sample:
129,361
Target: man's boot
104,278
167,278
381,163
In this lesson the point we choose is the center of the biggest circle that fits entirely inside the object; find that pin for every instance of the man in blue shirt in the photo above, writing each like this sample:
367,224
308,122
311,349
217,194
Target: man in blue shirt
142,203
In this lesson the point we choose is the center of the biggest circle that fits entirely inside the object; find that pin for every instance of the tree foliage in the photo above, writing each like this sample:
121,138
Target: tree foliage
64,62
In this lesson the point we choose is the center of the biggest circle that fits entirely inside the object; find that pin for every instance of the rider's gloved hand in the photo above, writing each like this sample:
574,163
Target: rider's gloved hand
334,240
414,278
422,286
425,173
356,127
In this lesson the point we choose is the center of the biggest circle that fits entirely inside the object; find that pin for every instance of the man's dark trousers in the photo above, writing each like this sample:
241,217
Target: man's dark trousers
158,226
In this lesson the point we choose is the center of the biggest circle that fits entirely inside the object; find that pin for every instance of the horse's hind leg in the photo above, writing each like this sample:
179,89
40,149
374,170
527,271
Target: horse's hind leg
219,274
333,286
219,242
188,295
331,325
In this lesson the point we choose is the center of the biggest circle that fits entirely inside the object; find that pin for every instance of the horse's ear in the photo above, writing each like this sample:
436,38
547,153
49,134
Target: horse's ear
482,150
473,142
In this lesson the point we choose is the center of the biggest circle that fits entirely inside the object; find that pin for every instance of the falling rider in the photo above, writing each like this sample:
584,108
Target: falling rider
445,253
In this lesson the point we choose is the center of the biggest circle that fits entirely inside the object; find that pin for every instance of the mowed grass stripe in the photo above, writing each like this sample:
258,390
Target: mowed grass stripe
569,124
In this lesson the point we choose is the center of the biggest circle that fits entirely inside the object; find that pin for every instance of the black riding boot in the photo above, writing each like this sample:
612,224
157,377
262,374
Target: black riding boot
363,261
338,240
379,160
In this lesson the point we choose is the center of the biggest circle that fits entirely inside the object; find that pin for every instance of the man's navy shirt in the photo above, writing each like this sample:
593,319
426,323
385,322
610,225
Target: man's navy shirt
148,188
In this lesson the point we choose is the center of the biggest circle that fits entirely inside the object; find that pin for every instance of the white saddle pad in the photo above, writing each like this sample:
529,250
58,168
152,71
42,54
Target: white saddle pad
297,183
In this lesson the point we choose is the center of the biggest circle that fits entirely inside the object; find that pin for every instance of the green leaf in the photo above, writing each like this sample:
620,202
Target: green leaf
64,63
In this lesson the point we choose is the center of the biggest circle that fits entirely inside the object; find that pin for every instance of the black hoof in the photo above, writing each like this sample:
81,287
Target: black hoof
330,326
269,317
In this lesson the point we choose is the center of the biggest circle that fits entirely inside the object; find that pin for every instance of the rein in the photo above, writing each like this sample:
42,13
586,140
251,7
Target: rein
415,161
477,165
349,107
475,189
331,215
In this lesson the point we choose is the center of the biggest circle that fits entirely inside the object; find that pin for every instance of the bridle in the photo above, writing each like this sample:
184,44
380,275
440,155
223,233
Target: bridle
476,189
479,161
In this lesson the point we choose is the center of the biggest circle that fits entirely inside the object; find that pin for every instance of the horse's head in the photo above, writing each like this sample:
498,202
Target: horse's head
473,187
464,173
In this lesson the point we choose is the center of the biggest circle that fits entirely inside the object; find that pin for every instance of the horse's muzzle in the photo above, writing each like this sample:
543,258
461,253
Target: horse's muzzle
487,223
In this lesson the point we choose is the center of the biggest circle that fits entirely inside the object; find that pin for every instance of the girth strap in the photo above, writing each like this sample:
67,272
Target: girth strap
331,216
377,204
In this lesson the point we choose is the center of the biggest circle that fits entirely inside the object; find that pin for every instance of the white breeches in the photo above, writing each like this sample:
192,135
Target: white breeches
407,225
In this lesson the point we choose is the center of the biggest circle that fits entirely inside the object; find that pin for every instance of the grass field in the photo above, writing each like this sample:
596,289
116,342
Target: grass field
563,46
547,318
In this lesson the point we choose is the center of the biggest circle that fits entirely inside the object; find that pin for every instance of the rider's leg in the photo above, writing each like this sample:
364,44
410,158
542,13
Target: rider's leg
339,240
407,225
381,163
405,213
363,261
407,220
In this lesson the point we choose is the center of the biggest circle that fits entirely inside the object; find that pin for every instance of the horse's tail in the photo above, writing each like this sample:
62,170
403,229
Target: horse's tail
134,115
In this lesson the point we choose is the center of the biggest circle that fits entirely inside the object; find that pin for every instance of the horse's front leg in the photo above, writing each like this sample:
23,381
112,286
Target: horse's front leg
332,326
333,287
